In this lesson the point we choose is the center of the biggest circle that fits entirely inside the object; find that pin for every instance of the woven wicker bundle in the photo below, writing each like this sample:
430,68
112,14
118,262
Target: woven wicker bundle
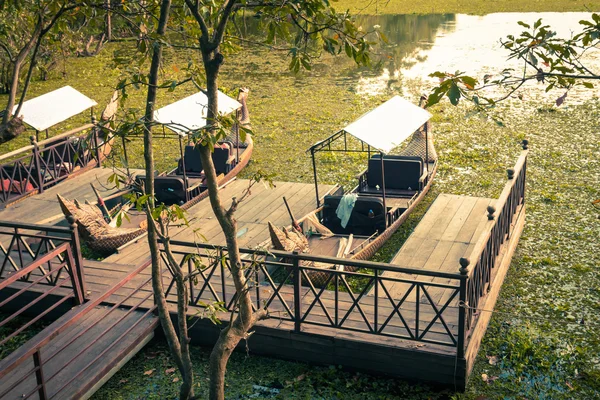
288,239
94,230
416,146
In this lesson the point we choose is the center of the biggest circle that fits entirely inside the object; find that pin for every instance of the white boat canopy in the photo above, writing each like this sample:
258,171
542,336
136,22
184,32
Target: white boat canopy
51,108
189,114
388,125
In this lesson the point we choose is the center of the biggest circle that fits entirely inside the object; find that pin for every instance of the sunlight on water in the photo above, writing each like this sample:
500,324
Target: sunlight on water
471,44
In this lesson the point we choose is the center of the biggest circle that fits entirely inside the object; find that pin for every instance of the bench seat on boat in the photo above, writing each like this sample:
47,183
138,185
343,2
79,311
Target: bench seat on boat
404,175
359,222
222,156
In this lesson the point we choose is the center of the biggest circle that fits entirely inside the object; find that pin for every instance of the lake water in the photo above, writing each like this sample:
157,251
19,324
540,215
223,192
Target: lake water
422,44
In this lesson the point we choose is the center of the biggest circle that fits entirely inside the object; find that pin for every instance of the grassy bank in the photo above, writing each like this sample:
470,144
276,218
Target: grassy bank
479,7
542,342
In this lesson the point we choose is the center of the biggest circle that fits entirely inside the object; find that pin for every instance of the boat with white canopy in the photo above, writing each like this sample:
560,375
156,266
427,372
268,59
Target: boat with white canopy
44,163
355,224
185,185
50,109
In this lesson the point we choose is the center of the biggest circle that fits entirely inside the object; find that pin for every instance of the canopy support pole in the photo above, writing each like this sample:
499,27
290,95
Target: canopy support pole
314,164
427,148
185,182
383,190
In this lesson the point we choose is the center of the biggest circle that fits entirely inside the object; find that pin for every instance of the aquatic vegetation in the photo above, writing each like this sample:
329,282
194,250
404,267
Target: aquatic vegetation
542,341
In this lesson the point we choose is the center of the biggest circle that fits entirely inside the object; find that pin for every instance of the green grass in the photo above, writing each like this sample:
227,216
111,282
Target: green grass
478,7
541,348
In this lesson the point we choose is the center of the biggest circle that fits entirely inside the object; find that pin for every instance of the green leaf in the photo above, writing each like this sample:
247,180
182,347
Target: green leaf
524,25
454,94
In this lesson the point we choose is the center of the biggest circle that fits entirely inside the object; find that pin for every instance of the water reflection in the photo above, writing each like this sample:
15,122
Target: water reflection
460,42
421,44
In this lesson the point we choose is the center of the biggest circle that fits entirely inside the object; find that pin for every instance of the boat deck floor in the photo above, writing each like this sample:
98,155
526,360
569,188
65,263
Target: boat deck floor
447,232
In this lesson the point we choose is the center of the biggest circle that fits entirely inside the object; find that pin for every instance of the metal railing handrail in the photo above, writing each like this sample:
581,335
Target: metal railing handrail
498,206
326,259
33,227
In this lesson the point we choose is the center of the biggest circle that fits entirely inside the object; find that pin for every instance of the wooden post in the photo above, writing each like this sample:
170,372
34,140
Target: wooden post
462,309
376,302
39,375
38,164
297,292
76,247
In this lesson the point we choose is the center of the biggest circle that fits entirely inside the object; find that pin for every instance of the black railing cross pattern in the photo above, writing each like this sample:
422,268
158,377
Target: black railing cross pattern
396,309
334,295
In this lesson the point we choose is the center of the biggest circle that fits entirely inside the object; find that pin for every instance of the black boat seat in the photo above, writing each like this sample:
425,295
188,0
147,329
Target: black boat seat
359,223
401,172
169,190
222,159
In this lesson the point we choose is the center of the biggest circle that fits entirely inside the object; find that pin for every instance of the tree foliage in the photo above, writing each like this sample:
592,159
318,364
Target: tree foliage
557,63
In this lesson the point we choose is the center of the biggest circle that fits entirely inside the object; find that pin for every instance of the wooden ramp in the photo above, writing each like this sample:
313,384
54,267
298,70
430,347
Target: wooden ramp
84,356
448,231
81,350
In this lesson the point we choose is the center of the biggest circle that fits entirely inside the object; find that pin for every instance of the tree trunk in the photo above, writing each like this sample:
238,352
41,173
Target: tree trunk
18,63
245,319
32,64
108,27
177,344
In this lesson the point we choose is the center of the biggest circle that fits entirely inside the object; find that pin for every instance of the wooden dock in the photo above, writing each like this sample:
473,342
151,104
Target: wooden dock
263,205
418,317
43,208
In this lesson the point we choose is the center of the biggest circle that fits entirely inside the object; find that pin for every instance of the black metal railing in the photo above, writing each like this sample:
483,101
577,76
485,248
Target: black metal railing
34,168
56,268
342,294
477,269
23,245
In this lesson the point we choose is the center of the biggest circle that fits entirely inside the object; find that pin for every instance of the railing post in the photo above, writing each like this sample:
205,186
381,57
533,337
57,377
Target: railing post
37,162
376,302
39,375
76,247
297,292
95,141
462,309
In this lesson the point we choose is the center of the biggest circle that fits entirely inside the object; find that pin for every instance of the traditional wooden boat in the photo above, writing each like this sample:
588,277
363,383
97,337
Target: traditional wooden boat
185,185
43,164
357,223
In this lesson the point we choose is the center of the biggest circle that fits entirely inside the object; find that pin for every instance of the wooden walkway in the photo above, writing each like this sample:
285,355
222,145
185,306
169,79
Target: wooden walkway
416,318
448,231
263,205
76,363
43,208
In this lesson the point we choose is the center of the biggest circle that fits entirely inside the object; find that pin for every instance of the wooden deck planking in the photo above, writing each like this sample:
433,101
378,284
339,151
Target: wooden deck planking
43,208
95,360
446,233
264,204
